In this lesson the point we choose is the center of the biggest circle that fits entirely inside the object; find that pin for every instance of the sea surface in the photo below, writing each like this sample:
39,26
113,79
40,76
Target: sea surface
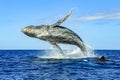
28,65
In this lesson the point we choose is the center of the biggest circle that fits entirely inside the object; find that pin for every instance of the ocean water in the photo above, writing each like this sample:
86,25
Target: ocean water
29,65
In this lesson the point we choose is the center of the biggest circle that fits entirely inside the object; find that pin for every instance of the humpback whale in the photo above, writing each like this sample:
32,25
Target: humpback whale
56,34
102,59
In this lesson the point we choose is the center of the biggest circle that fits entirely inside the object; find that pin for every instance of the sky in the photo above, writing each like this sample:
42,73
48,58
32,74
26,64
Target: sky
97,22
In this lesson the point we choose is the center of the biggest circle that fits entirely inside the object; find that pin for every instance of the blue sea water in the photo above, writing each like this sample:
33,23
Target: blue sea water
26,65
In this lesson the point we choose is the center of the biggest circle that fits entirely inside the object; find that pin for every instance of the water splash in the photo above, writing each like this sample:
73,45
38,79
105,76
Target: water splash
69,54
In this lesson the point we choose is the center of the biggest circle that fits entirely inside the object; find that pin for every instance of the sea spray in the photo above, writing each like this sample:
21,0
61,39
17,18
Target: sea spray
77,53
68,54
52,53
90,52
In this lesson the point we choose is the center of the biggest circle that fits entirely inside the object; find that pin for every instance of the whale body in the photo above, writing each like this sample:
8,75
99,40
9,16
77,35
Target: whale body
55,34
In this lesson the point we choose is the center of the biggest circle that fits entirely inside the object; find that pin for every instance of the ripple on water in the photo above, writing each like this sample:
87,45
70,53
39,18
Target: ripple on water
25,65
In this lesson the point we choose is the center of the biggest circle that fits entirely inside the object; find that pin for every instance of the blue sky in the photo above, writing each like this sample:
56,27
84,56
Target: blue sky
97,22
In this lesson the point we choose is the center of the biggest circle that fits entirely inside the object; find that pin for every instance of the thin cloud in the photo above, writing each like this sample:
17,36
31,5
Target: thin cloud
78,20
101,16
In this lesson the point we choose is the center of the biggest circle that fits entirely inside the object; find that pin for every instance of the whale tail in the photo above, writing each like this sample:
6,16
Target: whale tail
83,48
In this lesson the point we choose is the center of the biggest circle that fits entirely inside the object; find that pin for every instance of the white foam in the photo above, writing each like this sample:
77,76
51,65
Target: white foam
69,54
52,54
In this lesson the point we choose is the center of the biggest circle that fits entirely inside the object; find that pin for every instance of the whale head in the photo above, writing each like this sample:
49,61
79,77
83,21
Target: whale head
29,31
36,31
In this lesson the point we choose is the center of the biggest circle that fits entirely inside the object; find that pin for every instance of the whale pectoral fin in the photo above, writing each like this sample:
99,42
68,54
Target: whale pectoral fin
57,47
62,20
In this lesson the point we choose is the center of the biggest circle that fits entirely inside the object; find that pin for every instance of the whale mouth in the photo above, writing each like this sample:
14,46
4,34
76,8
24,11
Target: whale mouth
24,30
28,32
